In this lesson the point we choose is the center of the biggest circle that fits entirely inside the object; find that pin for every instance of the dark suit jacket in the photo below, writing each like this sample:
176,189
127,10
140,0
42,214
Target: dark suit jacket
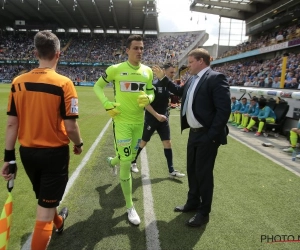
211,103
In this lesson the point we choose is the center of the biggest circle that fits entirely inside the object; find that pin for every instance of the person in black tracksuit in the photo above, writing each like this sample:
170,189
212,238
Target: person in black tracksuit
156,119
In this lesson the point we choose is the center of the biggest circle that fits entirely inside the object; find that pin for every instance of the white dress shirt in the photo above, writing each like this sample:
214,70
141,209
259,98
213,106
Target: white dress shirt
192,121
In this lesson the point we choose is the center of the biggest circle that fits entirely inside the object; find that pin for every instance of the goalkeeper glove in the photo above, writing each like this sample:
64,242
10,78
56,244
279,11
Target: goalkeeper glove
110,108
143,99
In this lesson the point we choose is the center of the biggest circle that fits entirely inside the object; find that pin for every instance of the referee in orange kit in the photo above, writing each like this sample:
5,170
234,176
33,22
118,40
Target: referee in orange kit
42,112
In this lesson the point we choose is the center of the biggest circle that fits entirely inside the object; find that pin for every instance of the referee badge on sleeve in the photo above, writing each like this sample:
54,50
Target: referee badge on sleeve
74,106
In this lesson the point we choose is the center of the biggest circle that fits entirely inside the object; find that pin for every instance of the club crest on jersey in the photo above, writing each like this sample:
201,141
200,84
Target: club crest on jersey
145,74
132,86
74,106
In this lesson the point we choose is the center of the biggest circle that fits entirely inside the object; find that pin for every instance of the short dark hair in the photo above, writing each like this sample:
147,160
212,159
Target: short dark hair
133,38
46,44
168,65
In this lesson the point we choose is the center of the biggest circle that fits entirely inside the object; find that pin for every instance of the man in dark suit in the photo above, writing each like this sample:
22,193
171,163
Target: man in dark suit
205,109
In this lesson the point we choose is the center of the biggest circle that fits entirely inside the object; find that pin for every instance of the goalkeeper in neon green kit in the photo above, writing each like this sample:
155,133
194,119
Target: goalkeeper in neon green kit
133,91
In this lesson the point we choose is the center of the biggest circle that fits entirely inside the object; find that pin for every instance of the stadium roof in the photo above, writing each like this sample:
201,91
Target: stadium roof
106,16
241,9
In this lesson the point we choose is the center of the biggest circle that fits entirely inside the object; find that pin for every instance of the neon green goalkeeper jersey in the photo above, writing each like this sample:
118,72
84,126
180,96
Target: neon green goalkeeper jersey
128,81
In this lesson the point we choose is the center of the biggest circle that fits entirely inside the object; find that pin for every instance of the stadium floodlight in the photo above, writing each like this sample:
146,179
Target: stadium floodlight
124,31
39,3
74,5
4,2
98,31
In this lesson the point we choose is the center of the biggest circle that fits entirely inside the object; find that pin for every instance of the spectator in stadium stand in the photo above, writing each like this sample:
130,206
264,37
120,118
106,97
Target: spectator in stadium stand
248,82
265,115
288,79
255,82
261,82
270,82
205,111
131,80
292,85
44,150
157,119
276,83
279,37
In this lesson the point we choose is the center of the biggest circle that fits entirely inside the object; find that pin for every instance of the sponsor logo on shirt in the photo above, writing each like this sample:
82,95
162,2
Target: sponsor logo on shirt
145,74
74,106
124,74
132,86
124,142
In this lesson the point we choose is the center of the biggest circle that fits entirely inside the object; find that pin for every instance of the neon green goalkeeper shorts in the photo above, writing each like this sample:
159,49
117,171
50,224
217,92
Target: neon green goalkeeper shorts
127,139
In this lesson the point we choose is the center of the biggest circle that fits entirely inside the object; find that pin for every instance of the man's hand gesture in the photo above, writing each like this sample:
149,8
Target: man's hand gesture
158,72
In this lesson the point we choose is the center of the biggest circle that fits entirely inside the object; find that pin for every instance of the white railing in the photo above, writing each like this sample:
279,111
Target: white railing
282,93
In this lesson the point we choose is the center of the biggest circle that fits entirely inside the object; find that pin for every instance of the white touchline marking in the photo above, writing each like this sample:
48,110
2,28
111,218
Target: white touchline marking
264,155
75,174
152,233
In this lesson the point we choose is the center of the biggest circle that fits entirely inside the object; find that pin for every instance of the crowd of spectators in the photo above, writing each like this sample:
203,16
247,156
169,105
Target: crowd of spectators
273,37
111,50
9,71
19,46
264,74
108,50
75,73
85,48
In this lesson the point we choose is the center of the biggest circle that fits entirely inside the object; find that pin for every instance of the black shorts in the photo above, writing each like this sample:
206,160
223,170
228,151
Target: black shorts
162,128
47,169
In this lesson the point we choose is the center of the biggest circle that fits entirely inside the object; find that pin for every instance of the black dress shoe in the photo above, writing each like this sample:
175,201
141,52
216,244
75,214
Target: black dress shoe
185,208
198,220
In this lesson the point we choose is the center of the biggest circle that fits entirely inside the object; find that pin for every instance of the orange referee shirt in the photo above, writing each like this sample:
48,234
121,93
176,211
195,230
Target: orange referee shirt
42,99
